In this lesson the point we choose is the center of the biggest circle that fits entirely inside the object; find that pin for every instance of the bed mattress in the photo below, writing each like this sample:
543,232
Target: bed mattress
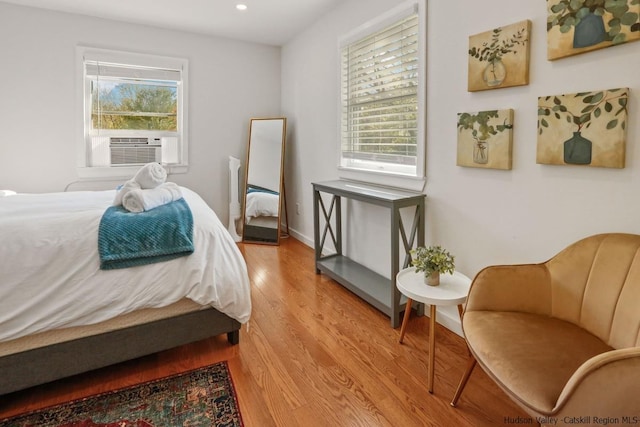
135,318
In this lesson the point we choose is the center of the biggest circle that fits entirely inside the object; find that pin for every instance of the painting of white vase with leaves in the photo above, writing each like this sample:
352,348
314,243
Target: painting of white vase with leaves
485,139
585,128
500,57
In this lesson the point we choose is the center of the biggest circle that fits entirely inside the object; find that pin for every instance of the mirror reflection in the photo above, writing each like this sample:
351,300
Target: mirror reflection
264,184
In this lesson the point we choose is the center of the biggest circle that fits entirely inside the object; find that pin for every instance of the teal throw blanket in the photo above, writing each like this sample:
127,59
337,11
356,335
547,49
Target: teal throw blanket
128,239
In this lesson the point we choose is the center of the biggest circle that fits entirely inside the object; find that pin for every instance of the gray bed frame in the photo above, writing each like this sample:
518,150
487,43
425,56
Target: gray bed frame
42,365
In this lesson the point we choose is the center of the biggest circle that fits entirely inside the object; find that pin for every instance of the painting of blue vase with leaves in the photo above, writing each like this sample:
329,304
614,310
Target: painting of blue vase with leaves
578,26
585,128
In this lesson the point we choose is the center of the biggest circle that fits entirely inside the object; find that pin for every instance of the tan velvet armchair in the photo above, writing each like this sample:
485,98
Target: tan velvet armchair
562,338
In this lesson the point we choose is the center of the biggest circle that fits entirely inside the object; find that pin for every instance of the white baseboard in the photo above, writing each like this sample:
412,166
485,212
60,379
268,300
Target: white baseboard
450,319
301,237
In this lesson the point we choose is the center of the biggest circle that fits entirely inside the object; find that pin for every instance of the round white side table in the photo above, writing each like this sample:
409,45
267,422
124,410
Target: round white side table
453,290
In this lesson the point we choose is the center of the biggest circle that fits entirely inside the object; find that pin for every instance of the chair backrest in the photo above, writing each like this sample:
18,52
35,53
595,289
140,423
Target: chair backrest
596,285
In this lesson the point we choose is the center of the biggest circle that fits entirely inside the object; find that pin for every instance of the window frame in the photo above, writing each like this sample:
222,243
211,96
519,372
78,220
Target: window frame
84,168
394,177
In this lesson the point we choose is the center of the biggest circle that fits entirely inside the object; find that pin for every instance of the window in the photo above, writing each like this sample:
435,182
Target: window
382,103
134,110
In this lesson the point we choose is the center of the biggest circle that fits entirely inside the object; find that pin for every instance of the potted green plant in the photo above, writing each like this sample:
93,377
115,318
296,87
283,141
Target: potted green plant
586,16
432,260
493,51
481,131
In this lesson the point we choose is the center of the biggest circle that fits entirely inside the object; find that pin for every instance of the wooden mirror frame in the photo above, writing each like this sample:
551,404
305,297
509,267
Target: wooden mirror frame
262,182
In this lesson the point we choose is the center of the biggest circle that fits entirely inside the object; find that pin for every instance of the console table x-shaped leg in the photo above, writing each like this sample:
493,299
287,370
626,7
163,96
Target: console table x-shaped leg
378,291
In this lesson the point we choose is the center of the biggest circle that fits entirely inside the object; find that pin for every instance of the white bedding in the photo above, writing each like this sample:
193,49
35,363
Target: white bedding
50,273
261,204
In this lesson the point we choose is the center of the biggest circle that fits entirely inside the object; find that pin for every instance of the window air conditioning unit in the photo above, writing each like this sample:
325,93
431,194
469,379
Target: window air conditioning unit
134,150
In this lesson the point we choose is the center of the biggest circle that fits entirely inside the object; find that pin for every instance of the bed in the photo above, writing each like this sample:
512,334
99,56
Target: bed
261,214
61,314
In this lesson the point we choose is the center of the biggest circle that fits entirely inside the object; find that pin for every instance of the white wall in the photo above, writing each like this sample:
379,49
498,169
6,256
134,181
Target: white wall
482,216
230,82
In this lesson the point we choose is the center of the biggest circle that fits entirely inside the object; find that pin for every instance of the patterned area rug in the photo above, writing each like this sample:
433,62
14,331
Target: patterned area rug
203,397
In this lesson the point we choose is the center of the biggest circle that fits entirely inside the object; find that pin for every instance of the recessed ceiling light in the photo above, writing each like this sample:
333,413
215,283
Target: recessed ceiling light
241,6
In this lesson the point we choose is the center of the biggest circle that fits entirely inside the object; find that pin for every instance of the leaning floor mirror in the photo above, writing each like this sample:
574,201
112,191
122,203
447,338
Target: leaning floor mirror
262,211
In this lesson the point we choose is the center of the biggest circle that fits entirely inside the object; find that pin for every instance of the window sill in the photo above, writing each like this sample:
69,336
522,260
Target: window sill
383,179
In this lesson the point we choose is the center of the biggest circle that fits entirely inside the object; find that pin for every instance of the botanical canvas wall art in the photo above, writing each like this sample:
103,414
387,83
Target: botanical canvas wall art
485,139
578,26
500,57
586,128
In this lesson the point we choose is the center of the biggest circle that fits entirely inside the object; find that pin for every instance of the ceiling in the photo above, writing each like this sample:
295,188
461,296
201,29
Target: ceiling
272,22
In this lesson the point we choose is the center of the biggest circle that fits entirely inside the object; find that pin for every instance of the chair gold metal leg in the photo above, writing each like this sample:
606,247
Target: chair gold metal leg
461,312
432,346
405,320
463,381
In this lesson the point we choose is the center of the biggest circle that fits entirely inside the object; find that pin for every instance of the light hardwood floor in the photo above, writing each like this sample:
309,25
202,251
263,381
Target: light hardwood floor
312,355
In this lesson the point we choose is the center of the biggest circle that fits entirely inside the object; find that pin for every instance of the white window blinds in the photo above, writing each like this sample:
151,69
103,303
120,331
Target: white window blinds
379,97
124,71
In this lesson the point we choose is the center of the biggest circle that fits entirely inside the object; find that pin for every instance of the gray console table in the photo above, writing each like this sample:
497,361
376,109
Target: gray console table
379,291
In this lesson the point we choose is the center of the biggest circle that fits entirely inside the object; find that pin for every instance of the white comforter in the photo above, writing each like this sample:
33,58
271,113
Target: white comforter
50,273
261,204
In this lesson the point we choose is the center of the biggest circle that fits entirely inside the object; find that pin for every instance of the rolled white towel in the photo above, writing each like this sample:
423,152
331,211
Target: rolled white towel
126,187
150,176
146,199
